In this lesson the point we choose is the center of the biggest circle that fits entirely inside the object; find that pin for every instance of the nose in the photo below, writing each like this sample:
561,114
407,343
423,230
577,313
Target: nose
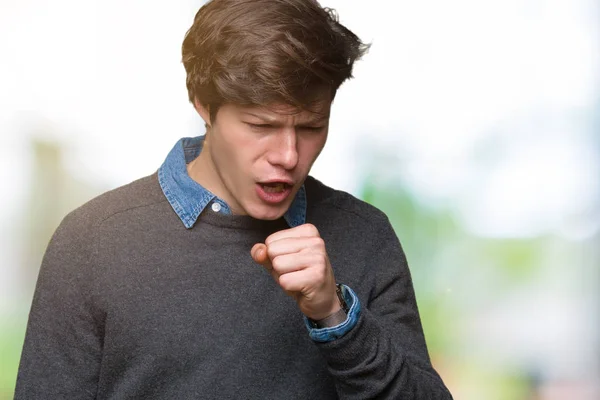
284,150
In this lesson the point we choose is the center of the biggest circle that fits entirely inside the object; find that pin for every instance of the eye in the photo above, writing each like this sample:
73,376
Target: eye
312,128
259,126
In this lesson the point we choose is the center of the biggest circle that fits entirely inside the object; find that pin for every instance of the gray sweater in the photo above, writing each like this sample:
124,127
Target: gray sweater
130,304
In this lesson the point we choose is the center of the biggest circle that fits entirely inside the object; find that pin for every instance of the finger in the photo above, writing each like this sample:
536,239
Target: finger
287,263
304,281
260,256
298,231
292,245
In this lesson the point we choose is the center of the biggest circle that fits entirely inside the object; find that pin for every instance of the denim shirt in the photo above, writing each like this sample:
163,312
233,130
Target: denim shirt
189,199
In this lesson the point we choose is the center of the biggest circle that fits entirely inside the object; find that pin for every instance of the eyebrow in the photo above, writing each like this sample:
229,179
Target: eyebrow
274,121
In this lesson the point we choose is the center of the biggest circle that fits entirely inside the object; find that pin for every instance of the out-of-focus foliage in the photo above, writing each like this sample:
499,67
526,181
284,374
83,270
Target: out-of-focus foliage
458,278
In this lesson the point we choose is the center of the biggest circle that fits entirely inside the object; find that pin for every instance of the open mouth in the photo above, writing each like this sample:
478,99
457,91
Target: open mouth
275,187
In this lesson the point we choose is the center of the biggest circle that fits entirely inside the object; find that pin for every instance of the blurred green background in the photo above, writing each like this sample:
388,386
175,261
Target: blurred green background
475,125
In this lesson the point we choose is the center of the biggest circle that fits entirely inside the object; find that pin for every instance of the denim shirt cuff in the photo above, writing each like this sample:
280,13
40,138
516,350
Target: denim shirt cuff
329,334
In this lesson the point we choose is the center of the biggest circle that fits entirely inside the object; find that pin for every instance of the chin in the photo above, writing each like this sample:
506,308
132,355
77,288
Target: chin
268,213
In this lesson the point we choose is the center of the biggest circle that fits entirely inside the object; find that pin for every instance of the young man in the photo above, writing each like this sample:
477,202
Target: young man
155,290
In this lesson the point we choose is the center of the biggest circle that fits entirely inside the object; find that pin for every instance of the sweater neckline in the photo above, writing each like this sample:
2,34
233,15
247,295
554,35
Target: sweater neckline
244,222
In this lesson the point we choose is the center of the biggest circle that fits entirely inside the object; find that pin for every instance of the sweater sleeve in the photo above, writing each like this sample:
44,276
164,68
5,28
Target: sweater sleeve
385,356
62,350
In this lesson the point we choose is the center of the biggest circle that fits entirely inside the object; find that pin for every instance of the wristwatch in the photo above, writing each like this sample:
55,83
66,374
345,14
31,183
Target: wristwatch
337,317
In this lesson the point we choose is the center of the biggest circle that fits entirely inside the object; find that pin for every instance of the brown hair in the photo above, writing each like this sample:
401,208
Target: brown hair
258,52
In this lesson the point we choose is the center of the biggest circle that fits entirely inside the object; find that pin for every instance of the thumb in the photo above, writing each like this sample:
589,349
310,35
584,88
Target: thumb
260,256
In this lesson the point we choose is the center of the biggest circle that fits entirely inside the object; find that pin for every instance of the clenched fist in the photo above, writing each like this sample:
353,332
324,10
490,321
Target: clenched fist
298,261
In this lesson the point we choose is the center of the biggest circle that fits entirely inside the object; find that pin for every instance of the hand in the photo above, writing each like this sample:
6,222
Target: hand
297,260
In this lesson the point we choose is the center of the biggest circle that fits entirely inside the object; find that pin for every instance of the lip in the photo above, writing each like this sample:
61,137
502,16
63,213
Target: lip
273,198
287,181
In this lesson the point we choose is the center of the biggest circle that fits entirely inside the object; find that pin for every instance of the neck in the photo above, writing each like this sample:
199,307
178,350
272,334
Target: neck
202,170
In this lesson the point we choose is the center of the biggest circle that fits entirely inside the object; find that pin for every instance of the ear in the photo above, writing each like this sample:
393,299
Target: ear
202,111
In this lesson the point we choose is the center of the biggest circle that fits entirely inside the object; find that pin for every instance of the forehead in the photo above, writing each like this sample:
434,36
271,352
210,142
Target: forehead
283,112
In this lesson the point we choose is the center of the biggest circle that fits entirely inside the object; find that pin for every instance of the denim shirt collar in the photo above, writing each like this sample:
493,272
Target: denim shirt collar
188,198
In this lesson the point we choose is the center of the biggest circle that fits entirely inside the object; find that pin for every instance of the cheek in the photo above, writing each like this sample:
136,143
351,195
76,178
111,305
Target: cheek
230,146
237,152
310,150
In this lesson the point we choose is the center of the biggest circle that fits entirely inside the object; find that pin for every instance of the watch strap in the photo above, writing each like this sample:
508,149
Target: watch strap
337,317
333,320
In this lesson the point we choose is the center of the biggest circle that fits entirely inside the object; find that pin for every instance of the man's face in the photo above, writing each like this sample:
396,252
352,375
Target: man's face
258,158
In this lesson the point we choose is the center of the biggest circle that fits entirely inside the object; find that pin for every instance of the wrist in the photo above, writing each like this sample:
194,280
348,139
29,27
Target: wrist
329,334
331,320
336,316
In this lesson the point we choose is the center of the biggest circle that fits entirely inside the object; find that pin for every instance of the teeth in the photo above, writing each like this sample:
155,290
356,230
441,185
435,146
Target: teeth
275,188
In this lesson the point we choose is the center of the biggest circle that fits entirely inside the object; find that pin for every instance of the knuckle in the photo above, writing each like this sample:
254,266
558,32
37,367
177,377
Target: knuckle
276,263
270,239
318,270
320,260
318,241
318,277
271,251
284,282
311,229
